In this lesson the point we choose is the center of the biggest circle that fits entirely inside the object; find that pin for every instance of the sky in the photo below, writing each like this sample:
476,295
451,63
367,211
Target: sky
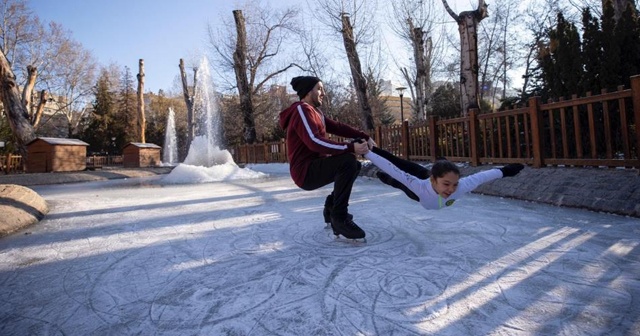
224,250
159,31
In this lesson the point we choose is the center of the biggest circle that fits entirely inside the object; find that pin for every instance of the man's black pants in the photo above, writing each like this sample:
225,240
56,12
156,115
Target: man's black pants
342,170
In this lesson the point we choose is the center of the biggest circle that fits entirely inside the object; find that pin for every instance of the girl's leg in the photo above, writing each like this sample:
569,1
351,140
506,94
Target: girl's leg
413,186
404,165
387,179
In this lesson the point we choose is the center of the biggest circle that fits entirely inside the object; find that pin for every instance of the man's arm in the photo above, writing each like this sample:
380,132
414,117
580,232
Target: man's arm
344,130
309,132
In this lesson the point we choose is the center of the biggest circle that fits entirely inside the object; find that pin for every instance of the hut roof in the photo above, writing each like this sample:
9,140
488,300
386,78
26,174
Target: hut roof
142,145
60,141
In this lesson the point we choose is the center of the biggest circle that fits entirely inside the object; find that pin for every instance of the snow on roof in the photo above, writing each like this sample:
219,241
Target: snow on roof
61,141
143,145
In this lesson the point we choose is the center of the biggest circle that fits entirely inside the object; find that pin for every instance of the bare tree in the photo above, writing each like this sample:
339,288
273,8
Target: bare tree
69,74
240,67
414,22
17,30
41,59
254,51
499,48
188,96
354,20
595,6
468,28
141,118
14,108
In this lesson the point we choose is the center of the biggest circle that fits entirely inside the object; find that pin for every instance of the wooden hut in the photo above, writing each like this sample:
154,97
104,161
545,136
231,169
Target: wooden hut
56,155
137,155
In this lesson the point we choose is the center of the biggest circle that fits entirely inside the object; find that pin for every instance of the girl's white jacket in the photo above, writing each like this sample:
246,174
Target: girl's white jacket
429,199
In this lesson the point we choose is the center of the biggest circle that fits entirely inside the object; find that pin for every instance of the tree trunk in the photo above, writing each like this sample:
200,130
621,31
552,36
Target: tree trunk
14,109
35,118
359,82
188,100
422,49
32,74
468,29
240,67
142,123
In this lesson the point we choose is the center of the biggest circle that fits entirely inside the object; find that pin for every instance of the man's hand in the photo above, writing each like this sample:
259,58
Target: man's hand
360,148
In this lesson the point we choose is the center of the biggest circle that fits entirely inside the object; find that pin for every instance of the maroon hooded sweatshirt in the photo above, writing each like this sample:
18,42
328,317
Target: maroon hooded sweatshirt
307,129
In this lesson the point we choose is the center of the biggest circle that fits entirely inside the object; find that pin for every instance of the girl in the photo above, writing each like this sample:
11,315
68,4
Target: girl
436,189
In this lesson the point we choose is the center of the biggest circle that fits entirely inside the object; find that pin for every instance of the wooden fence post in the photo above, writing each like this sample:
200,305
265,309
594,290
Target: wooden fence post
433,138
405,139
7,163
378,136
473,137
635,95
536,131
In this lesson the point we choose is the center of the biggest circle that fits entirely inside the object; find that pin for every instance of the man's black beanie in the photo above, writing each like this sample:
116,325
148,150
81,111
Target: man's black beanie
303,84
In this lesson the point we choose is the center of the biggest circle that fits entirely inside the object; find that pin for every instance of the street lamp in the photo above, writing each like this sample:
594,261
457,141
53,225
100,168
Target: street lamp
400,90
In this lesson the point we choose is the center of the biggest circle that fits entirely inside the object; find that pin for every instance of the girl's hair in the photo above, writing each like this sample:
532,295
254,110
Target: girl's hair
442,167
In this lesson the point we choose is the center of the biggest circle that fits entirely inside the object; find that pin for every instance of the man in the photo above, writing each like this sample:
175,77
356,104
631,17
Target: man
316,161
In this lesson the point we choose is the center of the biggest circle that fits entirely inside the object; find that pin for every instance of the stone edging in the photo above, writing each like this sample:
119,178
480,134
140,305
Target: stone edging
20,207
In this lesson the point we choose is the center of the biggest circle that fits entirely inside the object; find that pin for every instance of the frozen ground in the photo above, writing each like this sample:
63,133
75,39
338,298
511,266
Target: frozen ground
249,255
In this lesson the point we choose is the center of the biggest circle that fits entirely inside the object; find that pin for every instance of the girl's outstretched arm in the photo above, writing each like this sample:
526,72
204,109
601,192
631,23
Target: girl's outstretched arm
467,184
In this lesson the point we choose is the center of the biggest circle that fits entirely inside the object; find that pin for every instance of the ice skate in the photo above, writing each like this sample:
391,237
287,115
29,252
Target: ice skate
327,216
347,228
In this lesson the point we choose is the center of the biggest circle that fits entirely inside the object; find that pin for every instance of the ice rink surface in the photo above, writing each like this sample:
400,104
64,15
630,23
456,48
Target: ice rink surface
249,254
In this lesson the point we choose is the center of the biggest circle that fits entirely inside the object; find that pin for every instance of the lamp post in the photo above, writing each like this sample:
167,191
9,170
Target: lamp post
400,90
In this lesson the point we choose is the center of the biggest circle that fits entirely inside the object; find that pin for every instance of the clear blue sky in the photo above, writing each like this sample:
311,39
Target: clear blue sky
158,31
124,31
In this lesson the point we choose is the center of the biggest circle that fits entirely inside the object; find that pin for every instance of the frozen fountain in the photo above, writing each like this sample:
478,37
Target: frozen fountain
205,146
170,150
206,161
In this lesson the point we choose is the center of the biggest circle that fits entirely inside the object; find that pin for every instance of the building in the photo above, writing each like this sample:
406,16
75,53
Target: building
56,155
138,155
396,110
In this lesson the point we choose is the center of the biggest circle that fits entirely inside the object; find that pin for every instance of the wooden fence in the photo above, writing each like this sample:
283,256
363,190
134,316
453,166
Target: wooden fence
11,164
596,130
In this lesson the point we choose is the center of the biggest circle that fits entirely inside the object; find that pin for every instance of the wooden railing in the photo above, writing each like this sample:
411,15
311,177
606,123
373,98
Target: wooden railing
11,164
99,161
596,130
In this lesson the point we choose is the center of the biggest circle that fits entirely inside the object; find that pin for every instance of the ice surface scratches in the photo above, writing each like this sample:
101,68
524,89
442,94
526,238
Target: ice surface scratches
252,257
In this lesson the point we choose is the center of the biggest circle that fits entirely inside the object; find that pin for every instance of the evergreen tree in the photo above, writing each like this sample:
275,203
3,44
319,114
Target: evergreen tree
98,132
628,36
568,58
591,52
560,61
446,101
379,108
125,129
610,67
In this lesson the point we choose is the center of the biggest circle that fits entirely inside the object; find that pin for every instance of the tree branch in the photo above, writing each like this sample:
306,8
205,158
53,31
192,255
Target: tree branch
450,11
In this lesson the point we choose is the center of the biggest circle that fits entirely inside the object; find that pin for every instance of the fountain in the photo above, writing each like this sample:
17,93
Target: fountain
170,150
206,161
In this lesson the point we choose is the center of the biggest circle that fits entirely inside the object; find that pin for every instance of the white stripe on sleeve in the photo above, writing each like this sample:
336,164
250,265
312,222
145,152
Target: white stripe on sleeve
313,137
